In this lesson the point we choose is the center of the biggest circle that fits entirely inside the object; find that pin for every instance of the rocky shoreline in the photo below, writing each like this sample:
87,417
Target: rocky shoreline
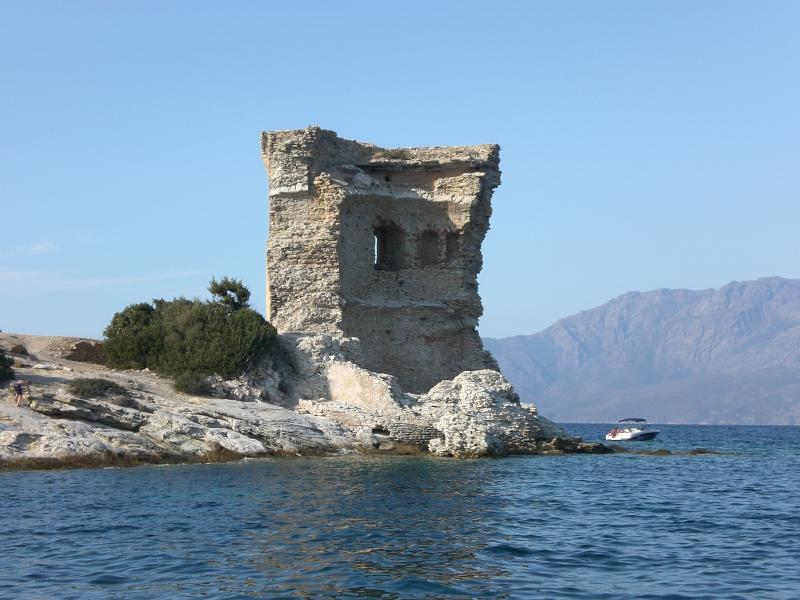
308,400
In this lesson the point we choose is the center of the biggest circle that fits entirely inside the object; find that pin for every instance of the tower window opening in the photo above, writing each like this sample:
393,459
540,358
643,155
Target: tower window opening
429,248
452,249
388,247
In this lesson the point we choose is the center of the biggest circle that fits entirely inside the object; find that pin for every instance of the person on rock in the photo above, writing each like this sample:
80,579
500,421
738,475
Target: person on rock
18,387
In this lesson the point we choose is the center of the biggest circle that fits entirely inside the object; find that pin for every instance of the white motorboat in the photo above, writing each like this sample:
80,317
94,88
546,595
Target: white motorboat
631,430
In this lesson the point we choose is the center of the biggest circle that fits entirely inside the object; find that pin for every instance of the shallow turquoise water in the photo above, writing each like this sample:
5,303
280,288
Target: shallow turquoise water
621,526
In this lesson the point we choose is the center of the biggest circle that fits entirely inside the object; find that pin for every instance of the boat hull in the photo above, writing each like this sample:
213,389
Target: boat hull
632,436
645,436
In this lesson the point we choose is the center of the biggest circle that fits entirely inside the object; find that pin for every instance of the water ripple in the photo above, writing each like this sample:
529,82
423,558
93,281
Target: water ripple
664,527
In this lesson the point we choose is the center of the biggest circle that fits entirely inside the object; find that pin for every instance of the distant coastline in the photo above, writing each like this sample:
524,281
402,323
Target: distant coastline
726,356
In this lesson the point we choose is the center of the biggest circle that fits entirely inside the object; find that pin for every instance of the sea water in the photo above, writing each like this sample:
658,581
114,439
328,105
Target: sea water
721,525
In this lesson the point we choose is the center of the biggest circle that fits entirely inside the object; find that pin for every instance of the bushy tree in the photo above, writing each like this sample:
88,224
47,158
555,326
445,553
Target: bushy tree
207,337
131,340
190,339
6,372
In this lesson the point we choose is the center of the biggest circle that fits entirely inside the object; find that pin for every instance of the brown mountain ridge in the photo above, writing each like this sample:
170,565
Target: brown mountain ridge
723,356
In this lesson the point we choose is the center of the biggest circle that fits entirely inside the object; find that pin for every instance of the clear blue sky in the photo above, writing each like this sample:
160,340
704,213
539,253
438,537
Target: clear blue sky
644,144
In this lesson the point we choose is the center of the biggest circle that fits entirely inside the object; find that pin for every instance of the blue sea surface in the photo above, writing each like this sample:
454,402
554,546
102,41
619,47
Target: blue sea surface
583,526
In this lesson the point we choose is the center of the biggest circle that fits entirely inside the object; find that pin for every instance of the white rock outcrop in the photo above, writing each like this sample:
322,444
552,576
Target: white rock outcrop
475,414
151,422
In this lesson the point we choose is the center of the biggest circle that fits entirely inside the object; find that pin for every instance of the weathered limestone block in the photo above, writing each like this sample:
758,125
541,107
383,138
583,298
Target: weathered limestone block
479,414
306,358
192,436
475,414
29,436
371,392
93,409
370,405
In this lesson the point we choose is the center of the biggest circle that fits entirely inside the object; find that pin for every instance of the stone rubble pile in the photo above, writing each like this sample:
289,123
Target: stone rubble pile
475,414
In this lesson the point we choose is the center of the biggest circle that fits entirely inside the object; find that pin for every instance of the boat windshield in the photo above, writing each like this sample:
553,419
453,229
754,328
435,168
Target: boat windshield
629,425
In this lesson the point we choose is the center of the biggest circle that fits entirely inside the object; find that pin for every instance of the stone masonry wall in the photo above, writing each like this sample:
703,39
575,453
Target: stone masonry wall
382,245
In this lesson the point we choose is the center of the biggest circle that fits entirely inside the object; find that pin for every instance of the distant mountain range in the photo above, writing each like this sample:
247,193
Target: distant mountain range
722,356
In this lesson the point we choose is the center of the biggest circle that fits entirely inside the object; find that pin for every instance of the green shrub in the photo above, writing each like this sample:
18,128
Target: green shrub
190,339
93,388
6,372
90,352
208,338
193,383
131,340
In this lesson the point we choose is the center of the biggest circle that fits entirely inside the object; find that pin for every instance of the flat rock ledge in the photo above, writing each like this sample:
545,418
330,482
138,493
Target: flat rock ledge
313,399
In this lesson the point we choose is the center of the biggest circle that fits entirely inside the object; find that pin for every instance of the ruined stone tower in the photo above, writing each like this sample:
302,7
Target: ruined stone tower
382,245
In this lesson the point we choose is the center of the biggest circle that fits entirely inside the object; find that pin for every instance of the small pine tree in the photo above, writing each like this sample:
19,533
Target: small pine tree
230,292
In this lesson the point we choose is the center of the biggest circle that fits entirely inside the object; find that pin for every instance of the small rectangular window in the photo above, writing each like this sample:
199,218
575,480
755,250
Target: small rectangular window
429,253
453,249
389,247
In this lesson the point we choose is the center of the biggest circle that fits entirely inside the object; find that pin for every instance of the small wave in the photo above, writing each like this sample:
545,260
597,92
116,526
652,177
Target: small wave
510,549
108,579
